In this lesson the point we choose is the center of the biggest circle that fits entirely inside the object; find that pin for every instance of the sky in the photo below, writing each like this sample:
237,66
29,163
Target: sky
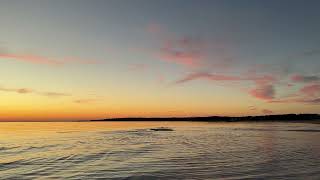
79,59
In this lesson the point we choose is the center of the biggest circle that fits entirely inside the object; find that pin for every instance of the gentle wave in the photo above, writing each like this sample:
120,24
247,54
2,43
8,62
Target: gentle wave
209,151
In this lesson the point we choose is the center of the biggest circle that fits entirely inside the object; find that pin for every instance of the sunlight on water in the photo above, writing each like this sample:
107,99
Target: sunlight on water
119,150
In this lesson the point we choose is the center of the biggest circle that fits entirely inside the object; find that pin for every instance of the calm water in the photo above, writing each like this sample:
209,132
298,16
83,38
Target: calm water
130,150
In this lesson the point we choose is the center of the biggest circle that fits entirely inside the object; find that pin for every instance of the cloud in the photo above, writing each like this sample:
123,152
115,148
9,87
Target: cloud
39,59
304,79
206,56
264,89
311,52
18,90
312,90
304,100
53,94
264,84
85,101
184,51
252,108
30,91
208,76
266,111
264,92
289,65
190,51
78,60
309,94
161,78
259,80
138,67
306,53
154,28
31,59
263,80
313,101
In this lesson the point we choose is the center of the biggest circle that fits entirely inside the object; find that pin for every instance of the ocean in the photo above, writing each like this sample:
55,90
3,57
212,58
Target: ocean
131,150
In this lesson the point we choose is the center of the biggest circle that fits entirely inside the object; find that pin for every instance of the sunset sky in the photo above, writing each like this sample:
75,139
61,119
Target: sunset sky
92,59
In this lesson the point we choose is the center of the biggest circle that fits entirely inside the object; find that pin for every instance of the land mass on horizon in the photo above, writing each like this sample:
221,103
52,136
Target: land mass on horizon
279,117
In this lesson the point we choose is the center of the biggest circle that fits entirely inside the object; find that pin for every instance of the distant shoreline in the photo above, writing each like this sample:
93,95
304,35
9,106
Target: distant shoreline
271,118
310,118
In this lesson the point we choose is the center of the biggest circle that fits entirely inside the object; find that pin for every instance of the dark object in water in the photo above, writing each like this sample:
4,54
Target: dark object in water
161,129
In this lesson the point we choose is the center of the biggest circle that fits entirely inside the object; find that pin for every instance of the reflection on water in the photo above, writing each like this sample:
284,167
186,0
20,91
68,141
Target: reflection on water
130,150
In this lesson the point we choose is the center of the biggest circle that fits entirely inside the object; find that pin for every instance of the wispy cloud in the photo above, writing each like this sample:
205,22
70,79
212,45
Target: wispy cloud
304,79
308,94
155,28
305,53
264,84
208,76
160,78
313,101
17,90
40,59
85,101
53,94
311,52
252,108
185,51
31,59
205,56
304,100
31,91
264,92
289,66
264,87
266,111
311,90
138,67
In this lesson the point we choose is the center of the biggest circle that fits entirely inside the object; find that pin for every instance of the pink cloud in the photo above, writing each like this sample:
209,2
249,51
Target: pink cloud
53,94
190,51
313,101
38,59
263,80
208,76
161,78
312,90
264,92
185,51
304,79
266,111
154,28
308,94
258,80
31,59
264,89
264,84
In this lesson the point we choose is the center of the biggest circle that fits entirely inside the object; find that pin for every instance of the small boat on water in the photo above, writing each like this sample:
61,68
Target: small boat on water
161,129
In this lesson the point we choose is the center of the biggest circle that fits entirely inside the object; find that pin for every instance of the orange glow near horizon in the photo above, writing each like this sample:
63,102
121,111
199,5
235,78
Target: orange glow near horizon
79,65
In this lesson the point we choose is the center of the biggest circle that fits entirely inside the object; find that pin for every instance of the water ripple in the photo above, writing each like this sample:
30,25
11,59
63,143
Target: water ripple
248,151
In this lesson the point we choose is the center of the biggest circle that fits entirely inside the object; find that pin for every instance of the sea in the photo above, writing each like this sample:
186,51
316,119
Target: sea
132,150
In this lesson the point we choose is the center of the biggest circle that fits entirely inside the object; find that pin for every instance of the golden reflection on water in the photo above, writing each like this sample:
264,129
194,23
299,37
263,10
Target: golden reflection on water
88,150
34,129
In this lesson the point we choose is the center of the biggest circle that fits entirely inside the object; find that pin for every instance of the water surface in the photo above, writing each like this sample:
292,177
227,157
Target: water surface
130,150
